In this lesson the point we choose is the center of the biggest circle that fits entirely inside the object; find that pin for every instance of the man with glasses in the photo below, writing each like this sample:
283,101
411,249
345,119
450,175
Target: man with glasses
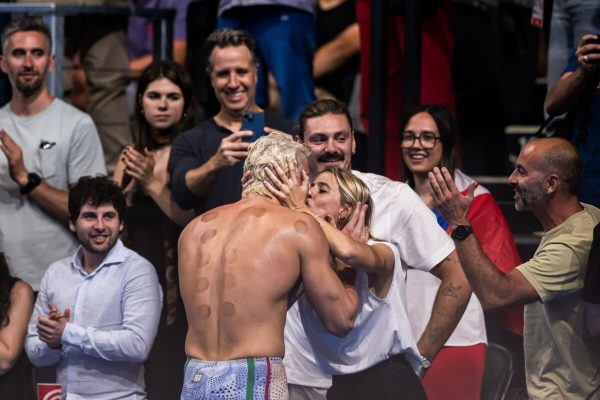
400,217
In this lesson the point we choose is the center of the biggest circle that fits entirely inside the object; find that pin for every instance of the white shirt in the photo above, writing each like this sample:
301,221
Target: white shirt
60,144
114,317
399,217
424,286
381,329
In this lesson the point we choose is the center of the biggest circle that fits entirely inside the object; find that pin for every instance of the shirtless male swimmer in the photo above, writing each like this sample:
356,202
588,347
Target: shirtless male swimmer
239,271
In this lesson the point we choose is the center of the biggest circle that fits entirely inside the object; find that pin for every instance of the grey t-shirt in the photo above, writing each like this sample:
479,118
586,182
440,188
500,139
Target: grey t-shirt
61,145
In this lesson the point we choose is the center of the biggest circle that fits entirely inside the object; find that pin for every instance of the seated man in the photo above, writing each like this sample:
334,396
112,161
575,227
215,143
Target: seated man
97,311
239,268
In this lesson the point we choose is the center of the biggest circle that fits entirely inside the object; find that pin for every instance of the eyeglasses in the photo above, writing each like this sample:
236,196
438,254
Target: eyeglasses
427,140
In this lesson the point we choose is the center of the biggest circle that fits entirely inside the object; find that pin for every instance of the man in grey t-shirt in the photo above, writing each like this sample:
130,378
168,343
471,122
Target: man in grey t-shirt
47,145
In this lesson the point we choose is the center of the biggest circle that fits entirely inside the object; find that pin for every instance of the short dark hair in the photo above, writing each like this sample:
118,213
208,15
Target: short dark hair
446,125
96,191
30,23
179,76
324,107
227,37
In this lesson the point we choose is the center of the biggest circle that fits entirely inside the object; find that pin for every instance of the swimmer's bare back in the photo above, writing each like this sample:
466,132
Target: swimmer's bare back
237,265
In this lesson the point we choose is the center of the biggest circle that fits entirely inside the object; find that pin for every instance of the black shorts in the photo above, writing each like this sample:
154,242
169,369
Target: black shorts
391,379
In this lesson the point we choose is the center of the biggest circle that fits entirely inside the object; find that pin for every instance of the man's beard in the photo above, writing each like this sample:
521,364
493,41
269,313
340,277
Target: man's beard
30,88
528,197
87,244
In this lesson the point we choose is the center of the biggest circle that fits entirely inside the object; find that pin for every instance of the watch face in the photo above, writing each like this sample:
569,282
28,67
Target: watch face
461,232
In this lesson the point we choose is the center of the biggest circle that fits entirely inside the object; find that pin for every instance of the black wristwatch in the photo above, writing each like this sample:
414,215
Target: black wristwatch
33,180
461,232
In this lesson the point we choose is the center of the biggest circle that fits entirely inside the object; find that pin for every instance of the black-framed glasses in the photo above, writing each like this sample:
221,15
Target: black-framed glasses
427,139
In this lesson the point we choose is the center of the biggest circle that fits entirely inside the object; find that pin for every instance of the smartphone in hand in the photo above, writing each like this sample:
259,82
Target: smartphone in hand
594,41
254,122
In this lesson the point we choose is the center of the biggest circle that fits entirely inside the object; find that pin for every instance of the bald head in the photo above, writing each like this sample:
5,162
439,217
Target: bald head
556,156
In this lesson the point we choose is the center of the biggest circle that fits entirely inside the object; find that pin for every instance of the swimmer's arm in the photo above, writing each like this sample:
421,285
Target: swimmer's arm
335,303
295,293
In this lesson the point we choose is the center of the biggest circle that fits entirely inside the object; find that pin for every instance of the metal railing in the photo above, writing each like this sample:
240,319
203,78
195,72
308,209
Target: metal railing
54,15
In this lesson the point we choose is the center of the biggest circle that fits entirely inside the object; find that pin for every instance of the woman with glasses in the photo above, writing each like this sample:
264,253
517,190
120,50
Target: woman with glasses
428,141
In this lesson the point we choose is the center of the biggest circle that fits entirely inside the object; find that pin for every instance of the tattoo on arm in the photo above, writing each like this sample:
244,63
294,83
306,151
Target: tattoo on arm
451,290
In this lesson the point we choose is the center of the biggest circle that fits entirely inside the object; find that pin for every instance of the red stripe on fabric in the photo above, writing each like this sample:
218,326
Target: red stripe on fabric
268,378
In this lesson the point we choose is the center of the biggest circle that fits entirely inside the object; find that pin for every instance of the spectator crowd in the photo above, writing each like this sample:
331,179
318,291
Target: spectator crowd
158,251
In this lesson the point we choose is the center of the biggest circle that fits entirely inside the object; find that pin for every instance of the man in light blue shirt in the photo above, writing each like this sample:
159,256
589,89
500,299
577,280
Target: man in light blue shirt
97,311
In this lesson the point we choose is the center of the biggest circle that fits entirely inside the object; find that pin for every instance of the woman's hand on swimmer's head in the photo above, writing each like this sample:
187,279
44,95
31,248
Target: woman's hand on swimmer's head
292,190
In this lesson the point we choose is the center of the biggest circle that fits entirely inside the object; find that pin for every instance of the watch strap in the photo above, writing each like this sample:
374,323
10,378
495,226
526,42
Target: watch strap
33,180
461,232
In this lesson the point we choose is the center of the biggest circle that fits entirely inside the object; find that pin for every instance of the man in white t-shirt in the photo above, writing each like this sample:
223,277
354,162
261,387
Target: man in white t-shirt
399,217
47,145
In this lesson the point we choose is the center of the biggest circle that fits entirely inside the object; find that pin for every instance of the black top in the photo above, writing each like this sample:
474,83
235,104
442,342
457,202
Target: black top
591,288
329,24
193,148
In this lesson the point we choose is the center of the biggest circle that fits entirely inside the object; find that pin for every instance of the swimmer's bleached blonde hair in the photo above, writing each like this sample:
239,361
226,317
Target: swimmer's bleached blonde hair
352,190
274,147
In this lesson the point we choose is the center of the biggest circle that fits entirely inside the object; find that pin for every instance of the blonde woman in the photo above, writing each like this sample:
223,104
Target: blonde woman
378,358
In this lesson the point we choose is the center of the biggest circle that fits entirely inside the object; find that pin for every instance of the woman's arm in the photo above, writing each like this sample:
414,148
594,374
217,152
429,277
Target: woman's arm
291,192
371,258
12,336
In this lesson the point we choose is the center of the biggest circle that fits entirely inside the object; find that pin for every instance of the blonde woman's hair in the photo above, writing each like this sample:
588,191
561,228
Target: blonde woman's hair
352,190
274,147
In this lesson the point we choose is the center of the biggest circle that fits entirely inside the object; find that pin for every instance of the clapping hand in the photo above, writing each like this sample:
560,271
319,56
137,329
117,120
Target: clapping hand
453,205
14,155
139,166
51,327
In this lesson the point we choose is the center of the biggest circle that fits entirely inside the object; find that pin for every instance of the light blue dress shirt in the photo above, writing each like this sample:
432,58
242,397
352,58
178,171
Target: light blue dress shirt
114,317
